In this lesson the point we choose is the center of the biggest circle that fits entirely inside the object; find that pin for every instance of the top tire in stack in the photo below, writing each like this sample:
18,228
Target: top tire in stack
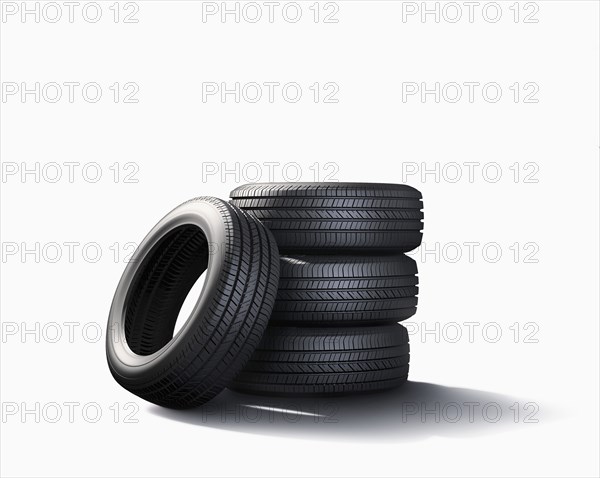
344,284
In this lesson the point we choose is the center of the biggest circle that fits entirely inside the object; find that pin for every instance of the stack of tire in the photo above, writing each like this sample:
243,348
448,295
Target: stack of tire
344,285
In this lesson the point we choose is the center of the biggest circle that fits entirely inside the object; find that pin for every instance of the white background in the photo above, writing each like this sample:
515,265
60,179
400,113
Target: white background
173,139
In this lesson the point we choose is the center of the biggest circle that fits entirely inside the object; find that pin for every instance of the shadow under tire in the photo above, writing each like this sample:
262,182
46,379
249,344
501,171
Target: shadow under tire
326,361
325,218
345,290
228,321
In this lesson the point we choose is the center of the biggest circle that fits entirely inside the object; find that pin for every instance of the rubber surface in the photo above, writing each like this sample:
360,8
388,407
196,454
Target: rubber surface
345,290
228,321
326,361
316,218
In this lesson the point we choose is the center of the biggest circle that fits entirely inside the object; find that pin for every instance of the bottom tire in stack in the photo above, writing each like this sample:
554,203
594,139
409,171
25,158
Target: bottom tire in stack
327,360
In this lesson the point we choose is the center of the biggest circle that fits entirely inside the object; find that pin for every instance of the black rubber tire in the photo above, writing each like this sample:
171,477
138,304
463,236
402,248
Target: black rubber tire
345,290
327,361
326,218
227,322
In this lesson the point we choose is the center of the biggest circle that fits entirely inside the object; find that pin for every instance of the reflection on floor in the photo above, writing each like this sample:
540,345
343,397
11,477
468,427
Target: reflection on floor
412,412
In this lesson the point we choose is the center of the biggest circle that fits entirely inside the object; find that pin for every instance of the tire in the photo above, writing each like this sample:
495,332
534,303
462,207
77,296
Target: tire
226,323
326,218
327,361
345,290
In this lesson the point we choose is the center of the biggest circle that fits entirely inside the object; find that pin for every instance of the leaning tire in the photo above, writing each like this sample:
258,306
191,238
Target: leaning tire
316,218
345,290
227,322
327,360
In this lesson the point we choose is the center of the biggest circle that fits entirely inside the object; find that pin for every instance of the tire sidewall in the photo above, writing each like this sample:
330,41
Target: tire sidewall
205,214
